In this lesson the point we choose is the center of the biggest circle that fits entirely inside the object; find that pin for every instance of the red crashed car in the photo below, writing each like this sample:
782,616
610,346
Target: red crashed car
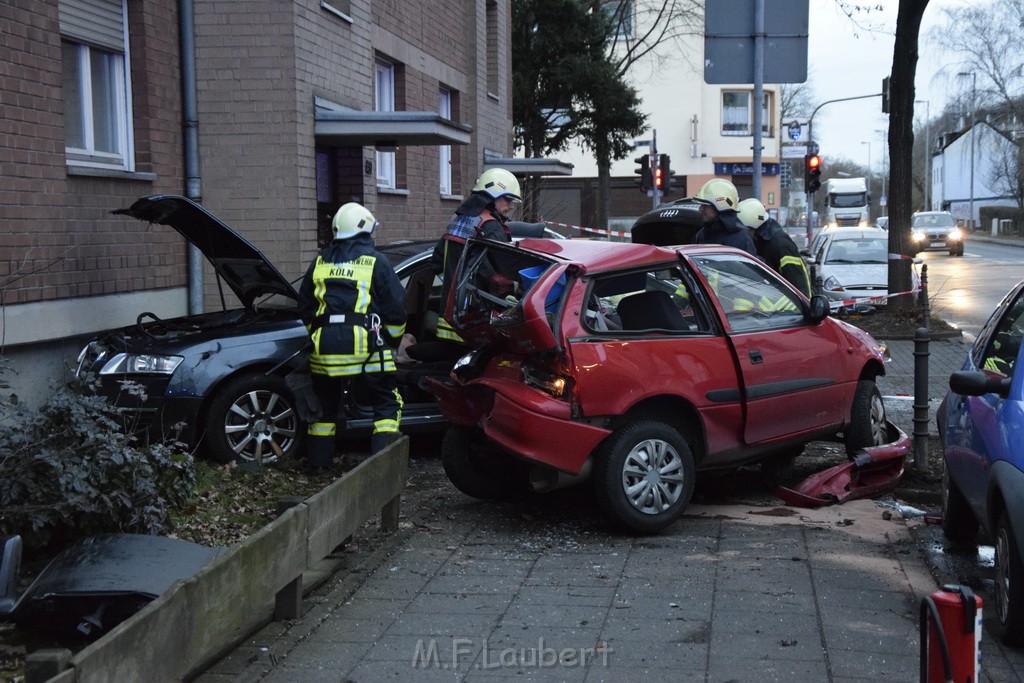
638,365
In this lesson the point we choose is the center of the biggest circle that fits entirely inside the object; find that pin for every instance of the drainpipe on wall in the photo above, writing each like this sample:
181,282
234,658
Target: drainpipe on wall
191,145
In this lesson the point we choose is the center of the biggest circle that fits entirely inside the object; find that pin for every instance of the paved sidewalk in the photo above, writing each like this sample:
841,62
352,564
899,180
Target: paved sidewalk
542,590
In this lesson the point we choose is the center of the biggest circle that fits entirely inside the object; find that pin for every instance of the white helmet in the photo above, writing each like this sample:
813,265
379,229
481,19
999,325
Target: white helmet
352,219
497,182
721,192
752,213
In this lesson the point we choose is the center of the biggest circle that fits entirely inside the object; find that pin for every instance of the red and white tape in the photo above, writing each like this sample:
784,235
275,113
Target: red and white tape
870,299
599,231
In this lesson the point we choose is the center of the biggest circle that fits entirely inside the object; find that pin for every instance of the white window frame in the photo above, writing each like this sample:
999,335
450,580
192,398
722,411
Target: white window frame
746,120
86,154
625,29
384,88
444,108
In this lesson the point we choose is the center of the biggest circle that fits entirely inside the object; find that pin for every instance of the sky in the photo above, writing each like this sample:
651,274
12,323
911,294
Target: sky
845,60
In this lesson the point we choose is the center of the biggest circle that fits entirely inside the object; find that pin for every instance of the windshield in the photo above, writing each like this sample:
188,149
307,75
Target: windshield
848,201
860,250
932,220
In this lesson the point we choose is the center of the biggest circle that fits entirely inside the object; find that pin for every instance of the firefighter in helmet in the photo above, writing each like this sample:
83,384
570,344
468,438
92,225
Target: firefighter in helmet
719,201
353,305
485,213
774,245
722,225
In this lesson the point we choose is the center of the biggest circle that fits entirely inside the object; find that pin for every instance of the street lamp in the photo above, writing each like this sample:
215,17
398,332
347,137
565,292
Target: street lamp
974,85
885,169
927,154
868,143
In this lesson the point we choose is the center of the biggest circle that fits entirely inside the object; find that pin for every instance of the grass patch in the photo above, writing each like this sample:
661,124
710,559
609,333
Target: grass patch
233,502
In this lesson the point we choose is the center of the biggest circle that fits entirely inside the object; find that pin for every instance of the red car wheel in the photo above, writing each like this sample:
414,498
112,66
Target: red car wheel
644,476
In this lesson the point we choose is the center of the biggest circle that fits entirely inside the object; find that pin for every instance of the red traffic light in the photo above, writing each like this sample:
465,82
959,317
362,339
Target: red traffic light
813,162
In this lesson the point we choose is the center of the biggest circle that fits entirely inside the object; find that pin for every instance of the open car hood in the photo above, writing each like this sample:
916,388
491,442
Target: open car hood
241,265
669,224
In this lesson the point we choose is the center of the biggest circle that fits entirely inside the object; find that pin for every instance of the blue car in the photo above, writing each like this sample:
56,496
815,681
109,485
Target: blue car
981,423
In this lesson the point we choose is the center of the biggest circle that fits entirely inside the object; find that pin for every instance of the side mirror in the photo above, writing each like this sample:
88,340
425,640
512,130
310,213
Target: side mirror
818,308
977,383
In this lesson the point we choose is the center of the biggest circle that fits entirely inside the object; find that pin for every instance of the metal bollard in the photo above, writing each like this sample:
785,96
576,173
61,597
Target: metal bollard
921,338
926,309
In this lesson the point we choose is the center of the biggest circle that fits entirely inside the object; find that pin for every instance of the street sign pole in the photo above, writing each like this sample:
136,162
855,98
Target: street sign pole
758,93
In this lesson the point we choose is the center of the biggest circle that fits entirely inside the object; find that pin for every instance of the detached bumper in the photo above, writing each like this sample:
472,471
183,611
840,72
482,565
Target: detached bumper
872,471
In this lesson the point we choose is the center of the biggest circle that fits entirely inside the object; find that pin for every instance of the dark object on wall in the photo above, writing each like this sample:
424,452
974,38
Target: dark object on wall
94,585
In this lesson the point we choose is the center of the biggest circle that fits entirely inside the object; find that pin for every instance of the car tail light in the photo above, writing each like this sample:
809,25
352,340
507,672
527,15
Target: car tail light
552,383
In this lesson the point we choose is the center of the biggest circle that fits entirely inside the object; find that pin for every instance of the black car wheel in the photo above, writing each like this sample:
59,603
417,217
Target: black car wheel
958,521
1009,585
479,468
253,418
867,419
644,475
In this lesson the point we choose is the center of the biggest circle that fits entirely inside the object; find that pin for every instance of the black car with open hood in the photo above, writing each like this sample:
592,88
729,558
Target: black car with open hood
216,379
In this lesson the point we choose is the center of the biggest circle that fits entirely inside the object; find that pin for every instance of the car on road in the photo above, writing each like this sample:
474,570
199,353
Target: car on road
217,380
853,264
936,230
981,425
637,365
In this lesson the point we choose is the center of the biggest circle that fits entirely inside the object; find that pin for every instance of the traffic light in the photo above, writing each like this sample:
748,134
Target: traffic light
646,179
666,178
885,95
812,172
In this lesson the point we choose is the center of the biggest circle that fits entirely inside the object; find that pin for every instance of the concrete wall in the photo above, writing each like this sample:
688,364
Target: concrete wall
196,620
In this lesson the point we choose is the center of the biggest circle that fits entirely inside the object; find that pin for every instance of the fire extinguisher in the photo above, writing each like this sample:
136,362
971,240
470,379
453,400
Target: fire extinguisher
950,636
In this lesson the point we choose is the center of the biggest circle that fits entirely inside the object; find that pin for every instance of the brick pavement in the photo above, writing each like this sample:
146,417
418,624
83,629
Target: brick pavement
543,591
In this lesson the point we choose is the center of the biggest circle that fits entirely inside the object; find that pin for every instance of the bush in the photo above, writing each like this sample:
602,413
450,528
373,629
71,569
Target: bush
68,470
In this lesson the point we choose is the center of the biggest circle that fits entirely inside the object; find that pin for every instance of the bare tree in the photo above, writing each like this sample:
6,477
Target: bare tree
639,32
796,100
988,39
1006,176
901,145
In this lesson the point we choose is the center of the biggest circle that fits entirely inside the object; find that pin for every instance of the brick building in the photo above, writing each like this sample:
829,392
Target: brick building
271,113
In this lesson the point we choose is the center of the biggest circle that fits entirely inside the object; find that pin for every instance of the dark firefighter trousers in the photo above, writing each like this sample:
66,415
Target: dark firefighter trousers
381,390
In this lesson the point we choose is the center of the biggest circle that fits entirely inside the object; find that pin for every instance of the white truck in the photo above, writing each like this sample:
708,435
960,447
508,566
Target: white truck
847,203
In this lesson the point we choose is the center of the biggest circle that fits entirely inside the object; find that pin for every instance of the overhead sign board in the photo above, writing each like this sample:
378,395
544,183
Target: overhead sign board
729,41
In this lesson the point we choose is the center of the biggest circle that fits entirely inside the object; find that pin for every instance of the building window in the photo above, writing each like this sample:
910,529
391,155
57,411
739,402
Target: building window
96,85
737,117
621,14
444,108
492,48
385,101
339,8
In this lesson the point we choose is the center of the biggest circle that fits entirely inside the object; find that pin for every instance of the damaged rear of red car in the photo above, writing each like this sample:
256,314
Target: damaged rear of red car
636,365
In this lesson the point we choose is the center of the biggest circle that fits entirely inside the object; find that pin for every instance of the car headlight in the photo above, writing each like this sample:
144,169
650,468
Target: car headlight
956,235
141,364
917,236
832,284
466,360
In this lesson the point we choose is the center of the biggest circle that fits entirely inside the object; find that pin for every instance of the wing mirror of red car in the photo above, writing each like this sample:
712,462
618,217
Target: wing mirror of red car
818,308
978,383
